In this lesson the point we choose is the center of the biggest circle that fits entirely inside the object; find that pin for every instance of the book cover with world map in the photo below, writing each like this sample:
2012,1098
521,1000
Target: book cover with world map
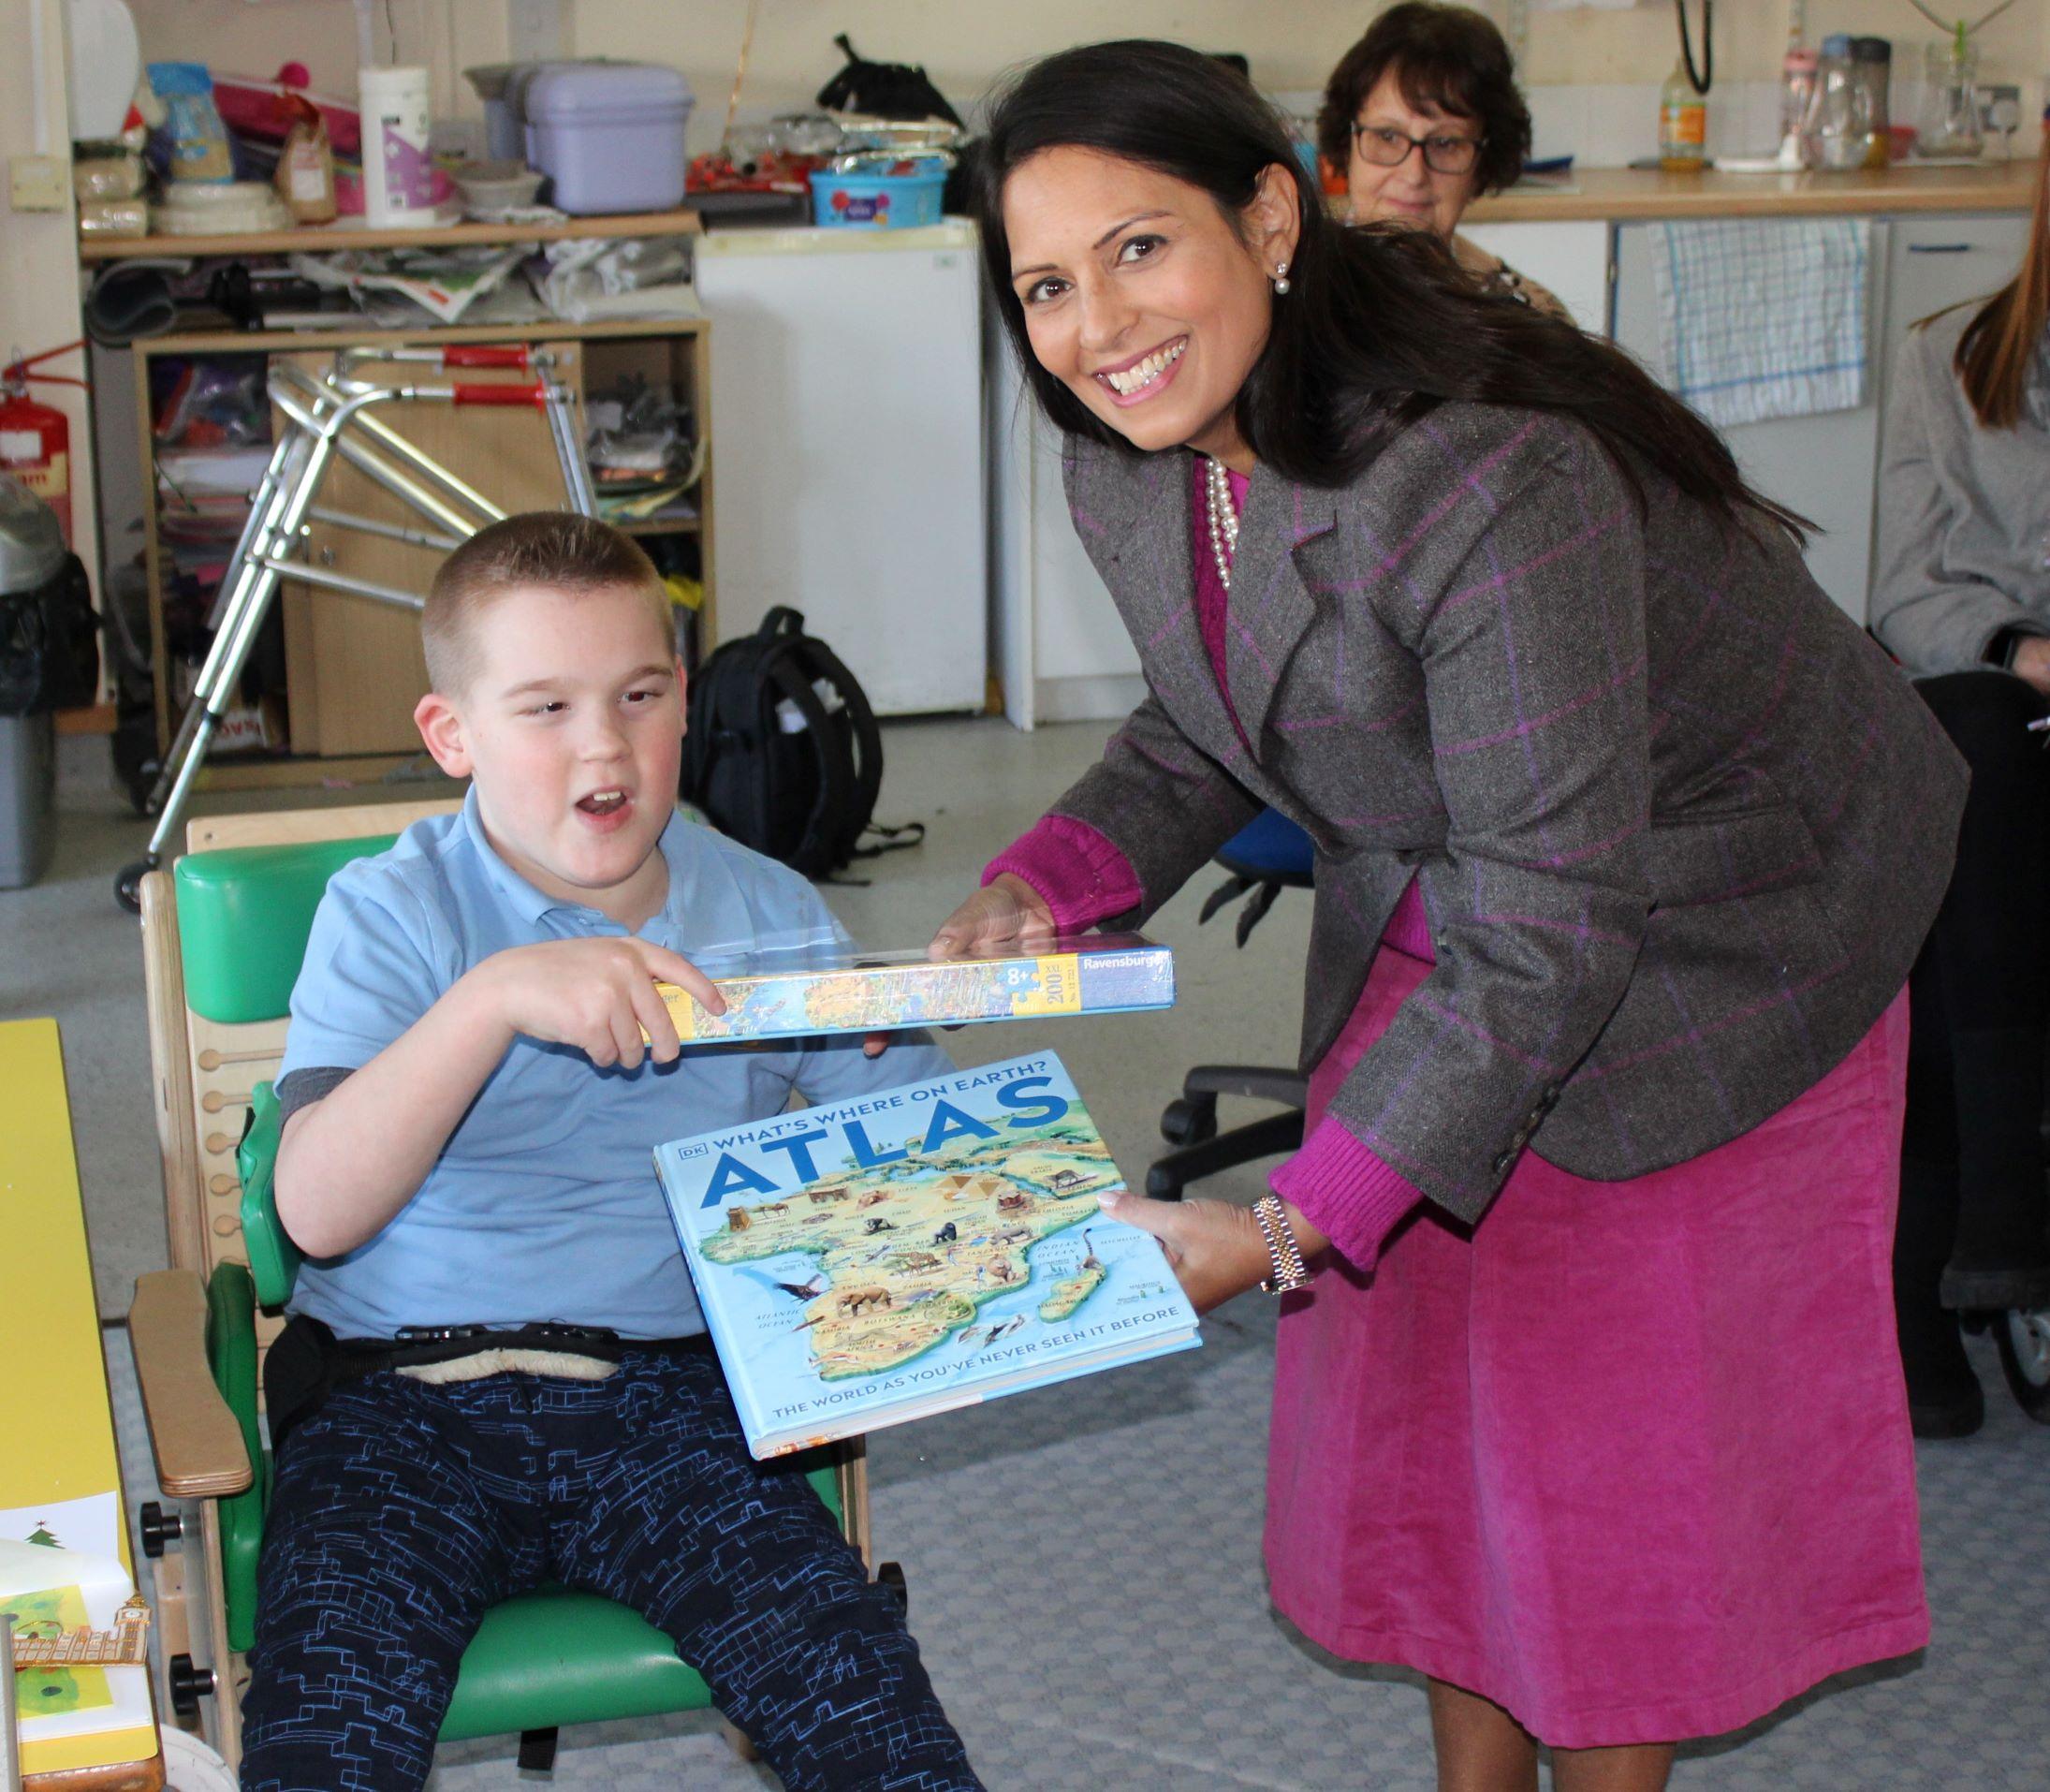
780,992
880,1259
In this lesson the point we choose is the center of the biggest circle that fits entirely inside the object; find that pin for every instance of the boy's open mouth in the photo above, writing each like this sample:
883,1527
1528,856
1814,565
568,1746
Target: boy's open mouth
603,803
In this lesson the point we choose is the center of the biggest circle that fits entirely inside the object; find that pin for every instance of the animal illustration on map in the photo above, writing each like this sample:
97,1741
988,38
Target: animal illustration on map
910,1261
872,1196
946,1234
810,1290
876,1222
854,1299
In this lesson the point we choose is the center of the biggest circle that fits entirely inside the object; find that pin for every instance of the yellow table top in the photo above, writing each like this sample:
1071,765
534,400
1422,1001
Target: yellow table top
56,1420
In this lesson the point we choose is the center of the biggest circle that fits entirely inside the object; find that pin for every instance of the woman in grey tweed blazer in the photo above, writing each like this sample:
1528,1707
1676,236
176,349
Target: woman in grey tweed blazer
1626,838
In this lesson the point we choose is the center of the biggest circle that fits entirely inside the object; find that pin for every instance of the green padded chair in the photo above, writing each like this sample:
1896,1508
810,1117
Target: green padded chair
224,937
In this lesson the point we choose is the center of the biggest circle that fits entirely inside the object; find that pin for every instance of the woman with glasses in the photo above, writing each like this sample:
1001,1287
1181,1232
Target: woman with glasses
1586,1401
1424,116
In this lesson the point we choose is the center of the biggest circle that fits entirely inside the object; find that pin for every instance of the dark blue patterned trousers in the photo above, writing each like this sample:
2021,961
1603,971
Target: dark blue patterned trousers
402,1512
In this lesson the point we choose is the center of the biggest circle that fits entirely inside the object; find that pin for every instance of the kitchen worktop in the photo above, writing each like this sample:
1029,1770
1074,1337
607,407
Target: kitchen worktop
1624,193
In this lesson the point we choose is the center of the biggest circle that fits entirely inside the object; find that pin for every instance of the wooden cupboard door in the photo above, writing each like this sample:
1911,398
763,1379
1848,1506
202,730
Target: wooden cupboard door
354,665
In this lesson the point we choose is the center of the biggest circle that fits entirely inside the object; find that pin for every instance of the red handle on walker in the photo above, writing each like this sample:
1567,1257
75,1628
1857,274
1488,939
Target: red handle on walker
484,355
476,392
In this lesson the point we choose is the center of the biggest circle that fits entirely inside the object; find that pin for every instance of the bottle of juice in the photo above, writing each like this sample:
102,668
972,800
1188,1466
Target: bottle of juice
1683,123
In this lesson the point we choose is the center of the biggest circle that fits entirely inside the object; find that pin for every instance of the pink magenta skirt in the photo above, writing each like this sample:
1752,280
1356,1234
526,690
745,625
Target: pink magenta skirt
1631,1460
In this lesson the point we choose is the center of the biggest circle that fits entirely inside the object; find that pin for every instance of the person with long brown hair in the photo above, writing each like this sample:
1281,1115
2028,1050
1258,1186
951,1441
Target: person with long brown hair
1961,596
1587,1405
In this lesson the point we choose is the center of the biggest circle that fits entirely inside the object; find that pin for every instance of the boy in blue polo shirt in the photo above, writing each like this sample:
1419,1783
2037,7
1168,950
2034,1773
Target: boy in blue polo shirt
495,1373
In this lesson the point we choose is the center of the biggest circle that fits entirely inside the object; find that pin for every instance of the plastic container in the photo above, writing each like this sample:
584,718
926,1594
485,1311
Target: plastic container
1872,69
1796,93
199,151
879,199
496,186
398,174
609,134
240,208
1683,123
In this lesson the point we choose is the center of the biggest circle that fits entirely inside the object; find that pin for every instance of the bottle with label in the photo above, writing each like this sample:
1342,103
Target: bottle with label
1683,123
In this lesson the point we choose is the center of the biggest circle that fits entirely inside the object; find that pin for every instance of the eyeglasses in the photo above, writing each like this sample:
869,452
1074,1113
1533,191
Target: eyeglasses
1385,147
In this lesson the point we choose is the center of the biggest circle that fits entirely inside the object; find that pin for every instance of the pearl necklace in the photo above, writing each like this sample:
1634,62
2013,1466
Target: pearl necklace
1223,519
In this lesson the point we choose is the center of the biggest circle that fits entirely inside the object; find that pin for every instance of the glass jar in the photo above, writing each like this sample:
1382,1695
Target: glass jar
1832,130
1949,125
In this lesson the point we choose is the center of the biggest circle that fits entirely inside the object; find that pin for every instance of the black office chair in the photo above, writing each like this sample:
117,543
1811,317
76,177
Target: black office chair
1268,855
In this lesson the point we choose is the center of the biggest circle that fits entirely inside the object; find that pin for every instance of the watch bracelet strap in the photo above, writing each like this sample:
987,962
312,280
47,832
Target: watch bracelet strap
1290,1271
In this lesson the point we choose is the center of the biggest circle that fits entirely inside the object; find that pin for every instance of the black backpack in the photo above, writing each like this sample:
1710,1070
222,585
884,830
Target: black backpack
883,90
783,752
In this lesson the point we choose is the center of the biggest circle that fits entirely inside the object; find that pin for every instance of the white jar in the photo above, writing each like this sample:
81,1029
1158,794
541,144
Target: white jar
398,175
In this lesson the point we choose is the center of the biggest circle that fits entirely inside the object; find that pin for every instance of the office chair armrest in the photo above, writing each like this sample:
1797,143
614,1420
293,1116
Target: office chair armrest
196,1439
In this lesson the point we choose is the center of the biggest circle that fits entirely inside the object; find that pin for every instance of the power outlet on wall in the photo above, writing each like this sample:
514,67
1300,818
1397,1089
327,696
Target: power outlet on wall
37,183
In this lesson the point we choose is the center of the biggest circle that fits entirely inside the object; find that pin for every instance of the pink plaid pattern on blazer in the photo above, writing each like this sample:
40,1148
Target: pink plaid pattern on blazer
1681,825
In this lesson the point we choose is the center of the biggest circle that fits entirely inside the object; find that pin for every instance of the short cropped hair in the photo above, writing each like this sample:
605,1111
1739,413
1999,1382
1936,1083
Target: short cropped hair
1451,57
544,550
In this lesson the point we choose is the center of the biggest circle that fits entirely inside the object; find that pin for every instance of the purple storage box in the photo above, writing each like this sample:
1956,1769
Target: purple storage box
609,134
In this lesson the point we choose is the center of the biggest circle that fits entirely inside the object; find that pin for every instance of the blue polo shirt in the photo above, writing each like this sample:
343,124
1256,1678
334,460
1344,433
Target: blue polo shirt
543,1206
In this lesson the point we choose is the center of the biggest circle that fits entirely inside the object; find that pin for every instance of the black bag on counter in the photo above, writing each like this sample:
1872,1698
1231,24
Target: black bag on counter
783,752
883,90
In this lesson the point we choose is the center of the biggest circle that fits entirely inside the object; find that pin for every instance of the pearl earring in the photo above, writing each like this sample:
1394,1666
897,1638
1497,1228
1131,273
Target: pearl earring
1281,278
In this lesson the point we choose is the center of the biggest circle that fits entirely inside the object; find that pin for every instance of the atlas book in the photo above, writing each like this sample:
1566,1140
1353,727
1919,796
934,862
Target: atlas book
922,1248
789,993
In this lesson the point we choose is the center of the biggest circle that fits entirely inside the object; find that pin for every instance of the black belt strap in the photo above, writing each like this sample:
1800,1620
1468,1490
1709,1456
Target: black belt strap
307,1361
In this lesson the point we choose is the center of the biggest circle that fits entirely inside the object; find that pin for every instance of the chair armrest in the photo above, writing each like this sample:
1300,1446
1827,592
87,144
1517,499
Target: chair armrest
193,1437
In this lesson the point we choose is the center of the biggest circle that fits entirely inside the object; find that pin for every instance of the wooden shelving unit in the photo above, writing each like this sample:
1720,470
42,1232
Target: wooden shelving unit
331,239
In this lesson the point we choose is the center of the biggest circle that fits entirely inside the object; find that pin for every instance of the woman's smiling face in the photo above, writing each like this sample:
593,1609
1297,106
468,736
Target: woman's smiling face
1141,296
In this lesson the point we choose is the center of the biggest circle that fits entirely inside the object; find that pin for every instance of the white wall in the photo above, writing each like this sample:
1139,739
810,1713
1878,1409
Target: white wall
38,255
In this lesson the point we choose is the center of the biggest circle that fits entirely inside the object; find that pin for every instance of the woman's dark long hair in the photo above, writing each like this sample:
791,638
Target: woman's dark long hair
1380,325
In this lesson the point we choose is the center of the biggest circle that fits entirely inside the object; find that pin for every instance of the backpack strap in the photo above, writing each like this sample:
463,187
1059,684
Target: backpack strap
861,718
781,671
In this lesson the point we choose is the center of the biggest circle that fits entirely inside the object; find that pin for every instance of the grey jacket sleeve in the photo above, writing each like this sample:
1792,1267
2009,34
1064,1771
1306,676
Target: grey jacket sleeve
1161,801
1930,618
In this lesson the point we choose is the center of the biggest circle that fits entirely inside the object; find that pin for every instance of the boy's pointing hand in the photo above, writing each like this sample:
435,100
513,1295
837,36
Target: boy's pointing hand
596,994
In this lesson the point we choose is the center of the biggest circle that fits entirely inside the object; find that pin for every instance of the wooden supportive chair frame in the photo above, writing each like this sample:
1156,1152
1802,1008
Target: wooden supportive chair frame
204,1074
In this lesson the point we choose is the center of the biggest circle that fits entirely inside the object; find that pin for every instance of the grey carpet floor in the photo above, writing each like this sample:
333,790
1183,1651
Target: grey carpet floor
1083,1561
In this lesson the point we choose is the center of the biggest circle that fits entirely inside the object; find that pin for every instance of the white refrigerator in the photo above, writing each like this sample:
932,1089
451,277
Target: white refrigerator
847,455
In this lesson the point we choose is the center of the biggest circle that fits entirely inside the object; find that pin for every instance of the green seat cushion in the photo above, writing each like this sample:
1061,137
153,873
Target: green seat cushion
244,915
554,1656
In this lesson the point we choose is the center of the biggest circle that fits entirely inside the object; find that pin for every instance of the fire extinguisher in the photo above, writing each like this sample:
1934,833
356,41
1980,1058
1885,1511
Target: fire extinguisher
36,439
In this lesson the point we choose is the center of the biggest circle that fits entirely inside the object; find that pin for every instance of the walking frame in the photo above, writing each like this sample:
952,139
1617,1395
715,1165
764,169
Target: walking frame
326,415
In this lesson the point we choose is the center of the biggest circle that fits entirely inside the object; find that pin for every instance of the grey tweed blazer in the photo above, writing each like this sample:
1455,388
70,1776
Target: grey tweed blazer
1680,825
